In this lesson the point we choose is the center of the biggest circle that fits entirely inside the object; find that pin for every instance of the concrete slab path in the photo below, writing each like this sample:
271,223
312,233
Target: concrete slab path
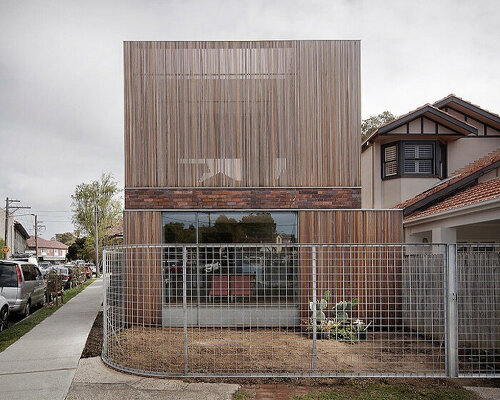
485,393
94,380
41,365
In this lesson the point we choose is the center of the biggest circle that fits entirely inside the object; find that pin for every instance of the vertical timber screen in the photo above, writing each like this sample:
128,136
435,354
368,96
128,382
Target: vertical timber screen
300,310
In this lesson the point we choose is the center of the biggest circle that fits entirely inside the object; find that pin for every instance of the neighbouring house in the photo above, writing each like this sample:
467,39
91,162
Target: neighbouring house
20,237
48,250
243,142
418,150
463,208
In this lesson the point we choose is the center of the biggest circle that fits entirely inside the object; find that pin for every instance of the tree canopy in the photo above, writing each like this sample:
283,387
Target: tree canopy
67,238
103,195
371,124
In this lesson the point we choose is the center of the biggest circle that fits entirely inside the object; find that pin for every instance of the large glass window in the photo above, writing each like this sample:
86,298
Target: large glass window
230,227
221,271
179,227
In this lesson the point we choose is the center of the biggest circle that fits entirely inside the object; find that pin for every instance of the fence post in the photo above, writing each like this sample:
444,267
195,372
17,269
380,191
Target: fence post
104,299
451,313
184,305
314,318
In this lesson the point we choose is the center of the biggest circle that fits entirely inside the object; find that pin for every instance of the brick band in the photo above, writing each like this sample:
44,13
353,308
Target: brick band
242,198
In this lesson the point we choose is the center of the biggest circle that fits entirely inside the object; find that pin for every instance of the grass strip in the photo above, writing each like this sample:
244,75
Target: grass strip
380,391
241,395
14,332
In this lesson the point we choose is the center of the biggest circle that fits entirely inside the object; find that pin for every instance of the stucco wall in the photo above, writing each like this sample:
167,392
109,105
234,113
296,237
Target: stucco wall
398,190
469,149
366,178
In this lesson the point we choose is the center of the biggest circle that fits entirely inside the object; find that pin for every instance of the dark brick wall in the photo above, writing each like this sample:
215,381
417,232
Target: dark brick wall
237,198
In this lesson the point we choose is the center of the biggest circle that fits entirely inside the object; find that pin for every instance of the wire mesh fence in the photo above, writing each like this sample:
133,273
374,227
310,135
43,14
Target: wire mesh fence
297,310
478,284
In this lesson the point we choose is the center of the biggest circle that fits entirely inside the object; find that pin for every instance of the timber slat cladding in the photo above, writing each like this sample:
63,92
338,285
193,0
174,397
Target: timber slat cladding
143,267
242,114
370,274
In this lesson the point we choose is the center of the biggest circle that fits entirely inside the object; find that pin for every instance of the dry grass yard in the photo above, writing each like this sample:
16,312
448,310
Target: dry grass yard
226,351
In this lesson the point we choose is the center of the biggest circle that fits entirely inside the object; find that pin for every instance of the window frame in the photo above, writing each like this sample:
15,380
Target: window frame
398,160
439,160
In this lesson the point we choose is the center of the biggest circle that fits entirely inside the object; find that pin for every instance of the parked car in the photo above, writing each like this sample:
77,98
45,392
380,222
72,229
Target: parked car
45,267
65,276
88,271
22,284
71,272
26,257
4,313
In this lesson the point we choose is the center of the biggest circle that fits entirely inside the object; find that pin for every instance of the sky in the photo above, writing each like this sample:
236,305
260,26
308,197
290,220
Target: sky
61,72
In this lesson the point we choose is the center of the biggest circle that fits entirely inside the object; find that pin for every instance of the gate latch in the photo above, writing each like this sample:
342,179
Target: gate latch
453,297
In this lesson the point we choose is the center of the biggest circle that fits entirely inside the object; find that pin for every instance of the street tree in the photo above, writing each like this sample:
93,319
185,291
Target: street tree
81,249
103,196
371,124
67,238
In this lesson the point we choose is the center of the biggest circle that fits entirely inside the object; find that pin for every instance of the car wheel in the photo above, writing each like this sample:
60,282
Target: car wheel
27,309
4,315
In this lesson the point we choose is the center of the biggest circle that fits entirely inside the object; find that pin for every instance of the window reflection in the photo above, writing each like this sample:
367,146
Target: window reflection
255,227
231,274
179,227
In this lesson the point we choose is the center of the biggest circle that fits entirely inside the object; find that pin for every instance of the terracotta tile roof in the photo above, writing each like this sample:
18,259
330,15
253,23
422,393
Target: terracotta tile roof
481,192
117,229
49,244
456,176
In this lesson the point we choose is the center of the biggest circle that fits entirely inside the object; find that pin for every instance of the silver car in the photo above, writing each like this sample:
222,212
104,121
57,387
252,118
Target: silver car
4,313
22,284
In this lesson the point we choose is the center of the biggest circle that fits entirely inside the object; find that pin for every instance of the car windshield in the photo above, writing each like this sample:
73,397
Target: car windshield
8,275
64,271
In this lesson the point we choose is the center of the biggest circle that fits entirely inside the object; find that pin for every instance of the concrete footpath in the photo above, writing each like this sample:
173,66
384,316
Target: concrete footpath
41,365
94,380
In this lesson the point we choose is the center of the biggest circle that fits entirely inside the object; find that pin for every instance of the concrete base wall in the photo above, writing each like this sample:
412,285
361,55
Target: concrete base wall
224,315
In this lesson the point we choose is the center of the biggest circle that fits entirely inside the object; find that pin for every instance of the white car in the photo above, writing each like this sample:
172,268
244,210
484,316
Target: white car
4,313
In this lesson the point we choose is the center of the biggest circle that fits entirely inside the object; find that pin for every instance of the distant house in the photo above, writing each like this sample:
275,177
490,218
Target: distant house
441,164
48,250
16,234
115,235
20,237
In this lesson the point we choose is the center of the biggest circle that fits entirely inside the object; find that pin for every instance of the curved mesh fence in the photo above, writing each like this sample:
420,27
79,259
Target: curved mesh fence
282,310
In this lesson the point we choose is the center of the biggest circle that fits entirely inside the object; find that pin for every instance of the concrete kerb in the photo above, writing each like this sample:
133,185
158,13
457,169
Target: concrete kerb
94,379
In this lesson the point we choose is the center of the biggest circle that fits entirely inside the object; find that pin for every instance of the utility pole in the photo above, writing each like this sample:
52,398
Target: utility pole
36,236
8,202
96,243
